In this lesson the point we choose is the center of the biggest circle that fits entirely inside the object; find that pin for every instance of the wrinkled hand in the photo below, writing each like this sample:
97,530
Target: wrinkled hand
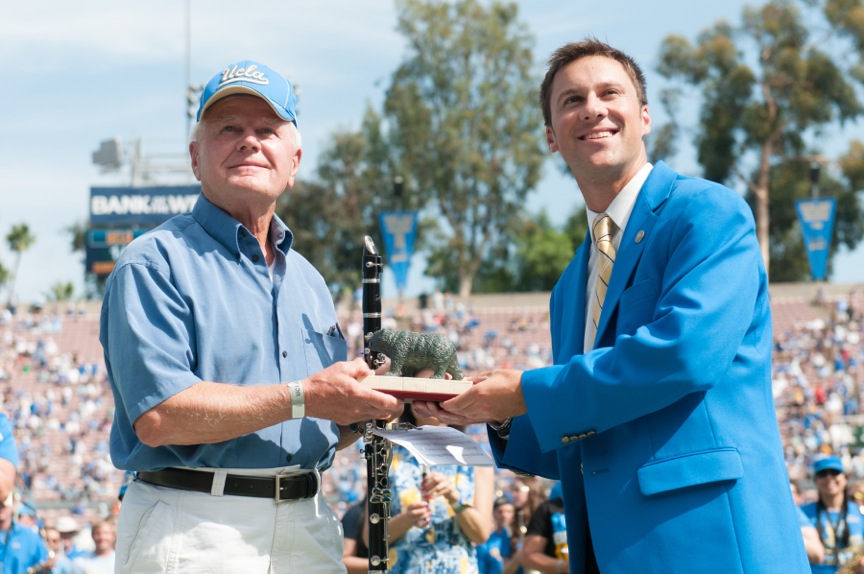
495,396
335,394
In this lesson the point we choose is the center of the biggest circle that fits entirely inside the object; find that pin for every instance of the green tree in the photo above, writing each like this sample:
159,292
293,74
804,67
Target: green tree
19,239
94,284
535,257
330,213
5,274
78,236
61,291
769,89
464,127
542,253
576,227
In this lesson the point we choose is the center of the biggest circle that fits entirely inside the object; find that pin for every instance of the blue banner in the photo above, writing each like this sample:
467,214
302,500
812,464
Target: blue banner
399,229
817,223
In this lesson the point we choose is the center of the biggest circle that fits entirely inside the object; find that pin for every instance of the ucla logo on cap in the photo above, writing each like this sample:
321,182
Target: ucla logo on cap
255,79
250,74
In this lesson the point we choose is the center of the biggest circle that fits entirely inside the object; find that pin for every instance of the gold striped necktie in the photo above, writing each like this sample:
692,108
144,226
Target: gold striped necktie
603,230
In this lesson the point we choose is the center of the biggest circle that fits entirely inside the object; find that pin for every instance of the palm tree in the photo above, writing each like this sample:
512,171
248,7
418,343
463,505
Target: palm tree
4,275
20,239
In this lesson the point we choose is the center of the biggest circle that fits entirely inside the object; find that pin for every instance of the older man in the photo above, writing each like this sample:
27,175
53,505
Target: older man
226,361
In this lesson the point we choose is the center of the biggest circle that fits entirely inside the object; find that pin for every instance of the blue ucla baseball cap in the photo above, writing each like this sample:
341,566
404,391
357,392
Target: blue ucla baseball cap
251,78
828,463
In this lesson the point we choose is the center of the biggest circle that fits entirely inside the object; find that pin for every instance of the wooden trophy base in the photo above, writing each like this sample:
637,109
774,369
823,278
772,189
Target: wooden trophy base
413,388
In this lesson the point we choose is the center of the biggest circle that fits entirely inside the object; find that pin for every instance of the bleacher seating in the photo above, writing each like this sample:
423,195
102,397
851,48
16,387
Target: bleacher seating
56,392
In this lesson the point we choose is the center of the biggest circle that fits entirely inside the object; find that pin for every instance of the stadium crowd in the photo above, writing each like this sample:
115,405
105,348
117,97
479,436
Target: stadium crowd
55,393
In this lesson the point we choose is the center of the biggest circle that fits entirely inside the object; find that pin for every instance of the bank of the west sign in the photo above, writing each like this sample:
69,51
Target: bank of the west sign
119,214
140,205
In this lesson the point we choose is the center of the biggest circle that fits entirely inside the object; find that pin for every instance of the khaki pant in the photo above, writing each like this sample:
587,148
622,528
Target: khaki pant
165,530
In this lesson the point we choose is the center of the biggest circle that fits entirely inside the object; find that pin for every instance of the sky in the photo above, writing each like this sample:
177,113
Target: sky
78,73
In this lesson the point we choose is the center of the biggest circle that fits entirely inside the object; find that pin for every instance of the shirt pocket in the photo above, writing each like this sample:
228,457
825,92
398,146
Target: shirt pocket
694,469
322,350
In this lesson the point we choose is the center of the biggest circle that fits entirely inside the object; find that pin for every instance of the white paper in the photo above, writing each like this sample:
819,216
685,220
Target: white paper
439,445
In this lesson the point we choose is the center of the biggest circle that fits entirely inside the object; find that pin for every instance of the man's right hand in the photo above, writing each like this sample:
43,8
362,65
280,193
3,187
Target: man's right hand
335,394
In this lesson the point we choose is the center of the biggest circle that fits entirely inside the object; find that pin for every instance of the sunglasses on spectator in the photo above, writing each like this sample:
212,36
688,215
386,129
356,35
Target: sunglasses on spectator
829,472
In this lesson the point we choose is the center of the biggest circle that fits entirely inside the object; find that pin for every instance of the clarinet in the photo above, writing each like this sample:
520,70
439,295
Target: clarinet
377,449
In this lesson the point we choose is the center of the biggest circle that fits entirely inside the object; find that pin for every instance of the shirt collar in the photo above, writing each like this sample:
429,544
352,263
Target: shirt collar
226,230
621,207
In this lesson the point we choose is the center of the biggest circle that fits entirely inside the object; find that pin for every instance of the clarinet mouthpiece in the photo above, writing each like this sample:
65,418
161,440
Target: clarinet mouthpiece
369,245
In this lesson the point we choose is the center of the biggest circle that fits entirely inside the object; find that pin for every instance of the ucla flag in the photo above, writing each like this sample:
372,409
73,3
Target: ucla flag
817,222
399,229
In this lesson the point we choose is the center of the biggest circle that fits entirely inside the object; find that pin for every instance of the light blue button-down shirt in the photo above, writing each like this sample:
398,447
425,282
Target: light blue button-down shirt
193,301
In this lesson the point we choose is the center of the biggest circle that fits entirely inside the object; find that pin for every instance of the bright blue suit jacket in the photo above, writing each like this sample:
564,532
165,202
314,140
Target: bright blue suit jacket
665,436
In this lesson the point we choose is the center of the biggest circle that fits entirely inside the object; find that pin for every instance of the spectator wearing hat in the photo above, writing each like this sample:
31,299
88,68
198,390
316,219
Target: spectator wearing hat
68,528
22,548
27,517
227,362
836,518
500,552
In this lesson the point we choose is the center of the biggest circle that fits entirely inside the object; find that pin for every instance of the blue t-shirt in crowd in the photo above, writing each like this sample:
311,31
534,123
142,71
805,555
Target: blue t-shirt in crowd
22,549
826,524
491,554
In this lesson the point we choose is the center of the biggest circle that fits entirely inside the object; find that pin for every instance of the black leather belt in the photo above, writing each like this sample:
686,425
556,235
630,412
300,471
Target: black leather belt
280,487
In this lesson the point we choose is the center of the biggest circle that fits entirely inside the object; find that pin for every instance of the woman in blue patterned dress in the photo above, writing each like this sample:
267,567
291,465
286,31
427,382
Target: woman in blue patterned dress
438,514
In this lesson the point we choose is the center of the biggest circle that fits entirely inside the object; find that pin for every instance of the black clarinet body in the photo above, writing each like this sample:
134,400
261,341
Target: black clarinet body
377,449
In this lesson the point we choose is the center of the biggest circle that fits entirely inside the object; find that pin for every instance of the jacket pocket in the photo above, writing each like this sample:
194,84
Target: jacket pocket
637,305
690,470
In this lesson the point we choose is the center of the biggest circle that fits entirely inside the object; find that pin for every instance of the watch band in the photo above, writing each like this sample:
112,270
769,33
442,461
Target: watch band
502,429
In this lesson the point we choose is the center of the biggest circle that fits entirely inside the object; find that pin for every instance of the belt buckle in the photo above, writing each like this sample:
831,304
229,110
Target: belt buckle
311,485
278,494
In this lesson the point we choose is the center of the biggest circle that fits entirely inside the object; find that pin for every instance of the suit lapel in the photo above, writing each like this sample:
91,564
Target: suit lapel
568,298
654,192
582,255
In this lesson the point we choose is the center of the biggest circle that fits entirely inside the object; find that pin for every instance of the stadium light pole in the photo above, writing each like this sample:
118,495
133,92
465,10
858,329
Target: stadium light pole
188,70
815,170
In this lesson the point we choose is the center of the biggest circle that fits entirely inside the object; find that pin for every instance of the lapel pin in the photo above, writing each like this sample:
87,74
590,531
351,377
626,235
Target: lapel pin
639,235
